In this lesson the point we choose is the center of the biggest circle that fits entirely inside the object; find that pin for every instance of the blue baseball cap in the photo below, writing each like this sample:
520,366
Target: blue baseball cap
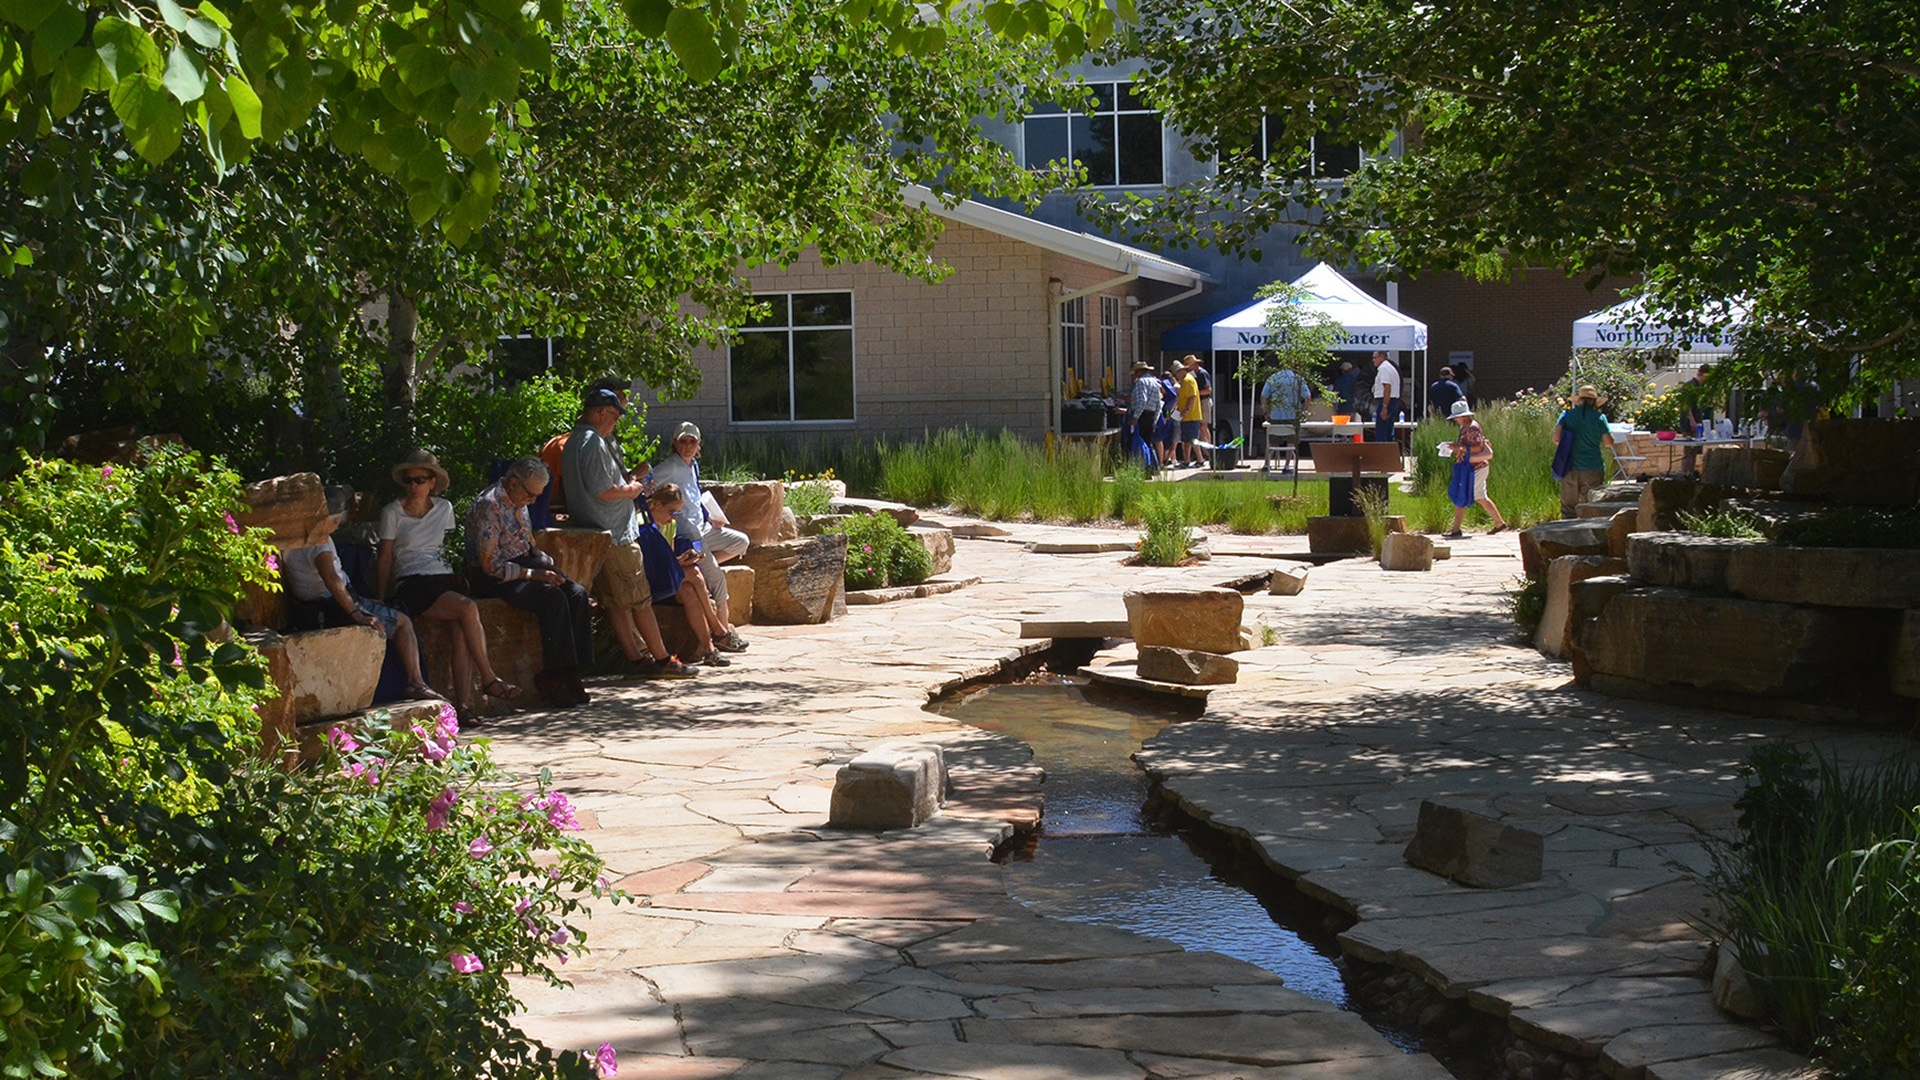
597,398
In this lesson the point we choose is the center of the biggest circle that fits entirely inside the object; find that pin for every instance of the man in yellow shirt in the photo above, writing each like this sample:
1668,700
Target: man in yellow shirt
1187,407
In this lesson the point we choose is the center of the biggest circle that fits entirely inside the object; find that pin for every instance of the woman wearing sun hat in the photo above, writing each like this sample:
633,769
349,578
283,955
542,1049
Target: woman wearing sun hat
1585,428
1472,449
413,572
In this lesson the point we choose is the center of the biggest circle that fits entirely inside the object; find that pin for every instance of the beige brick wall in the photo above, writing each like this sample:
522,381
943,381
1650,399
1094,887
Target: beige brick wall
971,350
1520,332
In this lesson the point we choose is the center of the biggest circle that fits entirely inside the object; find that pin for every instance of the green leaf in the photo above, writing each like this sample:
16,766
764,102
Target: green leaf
126,49
161,904
691,38
997,15
58,33
648,16
173,15
27,14
246,104
205,32
152,117
423,206
532,53
186,76
35,179
469,130
500,78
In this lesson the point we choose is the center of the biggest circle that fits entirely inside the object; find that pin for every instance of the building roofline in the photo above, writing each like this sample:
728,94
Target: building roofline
1083,246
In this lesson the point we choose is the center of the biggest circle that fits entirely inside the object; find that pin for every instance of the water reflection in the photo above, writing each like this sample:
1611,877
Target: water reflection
1099,859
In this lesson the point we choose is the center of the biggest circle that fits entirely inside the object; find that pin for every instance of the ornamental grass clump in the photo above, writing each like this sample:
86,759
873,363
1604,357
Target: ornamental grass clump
180,903
1167,535
1819,897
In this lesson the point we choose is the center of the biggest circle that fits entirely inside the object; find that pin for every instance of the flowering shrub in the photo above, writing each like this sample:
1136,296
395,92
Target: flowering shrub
1663,411
809,495
173,904
1619,374
880,552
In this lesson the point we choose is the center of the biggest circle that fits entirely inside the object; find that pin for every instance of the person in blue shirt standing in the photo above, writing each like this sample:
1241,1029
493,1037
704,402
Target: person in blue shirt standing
1586,425
1443,393
1281,396
1143,407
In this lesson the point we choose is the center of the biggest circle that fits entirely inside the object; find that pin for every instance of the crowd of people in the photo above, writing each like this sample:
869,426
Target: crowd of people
668,541
1170,414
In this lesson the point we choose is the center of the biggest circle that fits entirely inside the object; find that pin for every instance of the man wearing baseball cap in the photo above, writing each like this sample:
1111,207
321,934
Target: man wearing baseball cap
600,495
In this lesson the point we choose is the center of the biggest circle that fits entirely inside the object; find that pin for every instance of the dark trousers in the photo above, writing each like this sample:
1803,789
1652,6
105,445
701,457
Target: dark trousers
1383,424
1144,428
566,628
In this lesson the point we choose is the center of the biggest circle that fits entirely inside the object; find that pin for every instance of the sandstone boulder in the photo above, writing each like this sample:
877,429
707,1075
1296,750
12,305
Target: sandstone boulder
1604,509
889,787
799,581
1732,990
1288,581
1346,535
1551,635
1550,540
739,591
318,674
1189,667
900,512
817,524
1585,601
1866,462
1406,551
513,644
1620,526
939,544
294,507
577,553
1835,577
789,526
1684,560
1474,849
675,633
1649,640
1207,619
1666,497
1738,466
753,508
259,609
1619,491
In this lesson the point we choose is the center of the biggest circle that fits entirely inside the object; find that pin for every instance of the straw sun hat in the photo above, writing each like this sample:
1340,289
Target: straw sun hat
422,459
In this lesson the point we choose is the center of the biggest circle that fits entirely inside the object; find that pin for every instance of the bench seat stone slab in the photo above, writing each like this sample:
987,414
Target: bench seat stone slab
889,787
1206,619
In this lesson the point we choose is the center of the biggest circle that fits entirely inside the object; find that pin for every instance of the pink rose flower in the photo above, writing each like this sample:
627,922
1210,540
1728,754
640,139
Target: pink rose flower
342,740
440,808
605,1061
480,847
232,525
463,907
465,963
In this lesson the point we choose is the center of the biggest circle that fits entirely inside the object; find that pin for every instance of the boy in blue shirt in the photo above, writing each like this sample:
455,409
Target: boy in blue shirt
673,570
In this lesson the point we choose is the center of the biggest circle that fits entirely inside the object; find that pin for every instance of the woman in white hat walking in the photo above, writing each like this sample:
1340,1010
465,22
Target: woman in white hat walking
1472,450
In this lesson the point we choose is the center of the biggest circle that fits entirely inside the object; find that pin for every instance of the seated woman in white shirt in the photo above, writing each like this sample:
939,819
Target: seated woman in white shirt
413,572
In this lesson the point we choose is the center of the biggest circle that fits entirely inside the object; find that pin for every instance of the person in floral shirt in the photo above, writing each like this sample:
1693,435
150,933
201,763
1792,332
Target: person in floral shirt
505,564
1472,449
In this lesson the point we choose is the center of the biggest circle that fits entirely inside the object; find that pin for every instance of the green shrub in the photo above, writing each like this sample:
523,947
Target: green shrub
1526,601
1619,374
1817,896
880,552
471,425
1167,535
180,905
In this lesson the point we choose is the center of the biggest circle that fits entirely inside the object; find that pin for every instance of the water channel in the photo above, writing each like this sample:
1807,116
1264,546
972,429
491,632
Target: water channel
1102,857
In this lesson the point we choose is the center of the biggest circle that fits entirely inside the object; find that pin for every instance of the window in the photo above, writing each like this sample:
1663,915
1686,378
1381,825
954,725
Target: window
1110,343
1073,343
796,362
1326,159
1118,143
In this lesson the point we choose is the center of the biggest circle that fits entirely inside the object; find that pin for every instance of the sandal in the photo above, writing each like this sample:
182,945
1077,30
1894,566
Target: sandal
422,692
502,689
1502,527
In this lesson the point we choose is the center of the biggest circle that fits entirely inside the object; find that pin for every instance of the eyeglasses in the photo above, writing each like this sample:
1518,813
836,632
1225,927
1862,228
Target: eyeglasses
412,480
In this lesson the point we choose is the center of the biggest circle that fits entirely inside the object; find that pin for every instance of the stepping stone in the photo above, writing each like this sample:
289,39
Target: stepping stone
1080,547
890,787
1474,849
1093,615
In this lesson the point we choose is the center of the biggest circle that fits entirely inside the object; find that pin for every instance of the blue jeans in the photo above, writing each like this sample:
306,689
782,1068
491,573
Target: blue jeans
1383,424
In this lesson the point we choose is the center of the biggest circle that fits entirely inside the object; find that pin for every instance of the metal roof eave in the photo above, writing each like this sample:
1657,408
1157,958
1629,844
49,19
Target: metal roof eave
1083,246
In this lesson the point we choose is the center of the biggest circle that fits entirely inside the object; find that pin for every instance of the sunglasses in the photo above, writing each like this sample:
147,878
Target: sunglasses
412,480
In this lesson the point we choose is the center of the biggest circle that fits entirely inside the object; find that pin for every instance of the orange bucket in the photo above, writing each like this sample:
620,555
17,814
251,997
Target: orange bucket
1341,418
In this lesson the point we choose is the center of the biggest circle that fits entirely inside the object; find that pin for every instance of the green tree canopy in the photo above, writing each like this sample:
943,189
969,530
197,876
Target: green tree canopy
1726,151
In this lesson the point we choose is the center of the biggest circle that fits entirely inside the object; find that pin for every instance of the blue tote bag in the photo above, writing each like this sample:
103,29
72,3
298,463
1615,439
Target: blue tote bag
1460,487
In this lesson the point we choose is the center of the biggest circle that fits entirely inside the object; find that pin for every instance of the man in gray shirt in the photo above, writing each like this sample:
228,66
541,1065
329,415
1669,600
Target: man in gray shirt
600,495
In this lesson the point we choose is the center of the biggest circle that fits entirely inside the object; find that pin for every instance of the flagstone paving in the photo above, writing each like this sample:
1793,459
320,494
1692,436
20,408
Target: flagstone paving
762,944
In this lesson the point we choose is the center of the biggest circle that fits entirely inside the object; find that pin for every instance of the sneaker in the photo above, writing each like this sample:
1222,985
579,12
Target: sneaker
733,642
714,659
1454,535
670,668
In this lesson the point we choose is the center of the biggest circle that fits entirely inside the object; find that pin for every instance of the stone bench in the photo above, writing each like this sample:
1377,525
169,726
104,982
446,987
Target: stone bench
799,581
1550,540
513,644
889,787
317,675
1758,570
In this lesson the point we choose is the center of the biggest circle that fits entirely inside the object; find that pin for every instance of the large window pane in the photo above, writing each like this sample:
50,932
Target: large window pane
759,373
1131,100
1140,147
776,310
1046,141
823,309
1102,97
1093,148
1332,160
823,374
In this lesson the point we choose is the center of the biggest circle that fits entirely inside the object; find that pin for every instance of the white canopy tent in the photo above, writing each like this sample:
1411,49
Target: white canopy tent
1366,325
1626,325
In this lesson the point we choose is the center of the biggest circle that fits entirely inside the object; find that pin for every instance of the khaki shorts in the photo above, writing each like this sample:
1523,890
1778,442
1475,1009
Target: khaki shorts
1206,410
623,578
